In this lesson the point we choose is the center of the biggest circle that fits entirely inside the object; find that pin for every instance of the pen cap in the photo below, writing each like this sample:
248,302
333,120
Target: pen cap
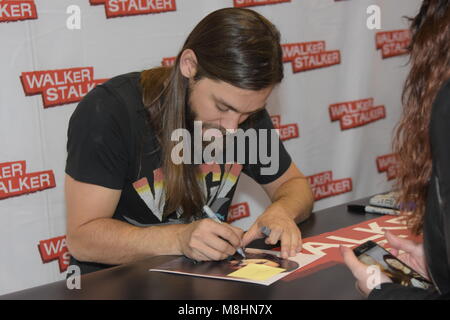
356,208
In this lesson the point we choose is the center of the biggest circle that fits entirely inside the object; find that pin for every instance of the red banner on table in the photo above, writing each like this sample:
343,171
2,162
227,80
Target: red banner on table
327,244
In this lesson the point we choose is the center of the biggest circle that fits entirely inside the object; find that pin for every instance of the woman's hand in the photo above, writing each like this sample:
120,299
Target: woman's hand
367,277
413,254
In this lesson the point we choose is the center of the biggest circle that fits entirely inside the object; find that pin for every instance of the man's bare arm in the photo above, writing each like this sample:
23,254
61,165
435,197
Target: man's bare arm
293,193
93,236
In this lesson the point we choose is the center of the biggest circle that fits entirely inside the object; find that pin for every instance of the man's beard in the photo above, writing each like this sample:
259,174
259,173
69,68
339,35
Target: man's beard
226,135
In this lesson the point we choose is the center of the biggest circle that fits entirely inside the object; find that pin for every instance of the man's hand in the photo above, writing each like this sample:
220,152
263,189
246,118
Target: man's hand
283,228
206,240
292,202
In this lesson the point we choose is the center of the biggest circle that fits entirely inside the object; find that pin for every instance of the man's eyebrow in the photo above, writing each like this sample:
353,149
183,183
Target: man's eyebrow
218,100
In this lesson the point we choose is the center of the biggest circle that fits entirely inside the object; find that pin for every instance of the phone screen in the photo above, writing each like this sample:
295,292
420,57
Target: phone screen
371,253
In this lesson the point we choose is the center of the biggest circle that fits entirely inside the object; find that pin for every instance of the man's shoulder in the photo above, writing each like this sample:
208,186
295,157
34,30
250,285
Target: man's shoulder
118,97
124,82
121,92
117,87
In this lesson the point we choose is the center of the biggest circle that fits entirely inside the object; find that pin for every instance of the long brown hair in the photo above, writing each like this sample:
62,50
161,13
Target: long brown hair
237,46
430,68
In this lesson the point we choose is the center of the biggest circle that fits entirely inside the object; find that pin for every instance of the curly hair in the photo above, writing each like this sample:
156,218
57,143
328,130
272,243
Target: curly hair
430,68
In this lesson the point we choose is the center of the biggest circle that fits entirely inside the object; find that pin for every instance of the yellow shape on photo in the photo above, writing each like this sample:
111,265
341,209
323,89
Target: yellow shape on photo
255,271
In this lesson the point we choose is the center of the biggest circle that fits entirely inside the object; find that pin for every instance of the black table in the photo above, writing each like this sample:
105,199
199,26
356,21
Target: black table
134,281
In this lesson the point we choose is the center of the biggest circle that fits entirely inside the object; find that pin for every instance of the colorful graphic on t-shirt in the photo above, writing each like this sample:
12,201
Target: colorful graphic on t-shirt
222,182
153,199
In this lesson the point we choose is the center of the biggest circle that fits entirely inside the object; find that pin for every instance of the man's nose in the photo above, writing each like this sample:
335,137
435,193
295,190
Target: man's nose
231,122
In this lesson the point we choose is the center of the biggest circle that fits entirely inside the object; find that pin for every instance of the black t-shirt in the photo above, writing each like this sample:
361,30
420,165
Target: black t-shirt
111,144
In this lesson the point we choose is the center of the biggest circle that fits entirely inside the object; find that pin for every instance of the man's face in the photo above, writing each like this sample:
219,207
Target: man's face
223,106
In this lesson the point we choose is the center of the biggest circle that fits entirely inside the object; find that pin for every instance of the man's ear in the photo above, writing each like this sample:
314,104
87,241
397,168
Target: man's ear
188,64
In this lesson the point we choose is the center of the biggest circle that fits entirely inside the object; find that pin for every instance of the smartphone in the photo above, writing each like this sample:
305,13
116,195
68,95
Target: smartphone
371,253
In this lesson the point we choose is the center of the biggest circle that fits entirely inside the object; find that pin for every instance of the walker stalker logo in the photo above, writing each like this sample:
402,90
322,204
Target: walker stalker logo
324,186
59,87
388,163
286,131
393,43
168,61
55,249
238,211
17,10
309,55
357,113
252,3
327,244
14,181
120,8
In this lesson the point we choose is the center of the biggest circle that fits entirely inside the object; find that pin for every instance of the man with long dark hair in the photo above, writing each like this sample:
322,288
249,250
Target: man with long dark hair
422,145
127,198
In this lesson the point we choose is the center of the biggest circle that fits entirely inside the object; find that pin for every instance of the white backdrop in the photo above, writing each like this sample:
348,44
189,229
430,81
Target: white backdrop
308,105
